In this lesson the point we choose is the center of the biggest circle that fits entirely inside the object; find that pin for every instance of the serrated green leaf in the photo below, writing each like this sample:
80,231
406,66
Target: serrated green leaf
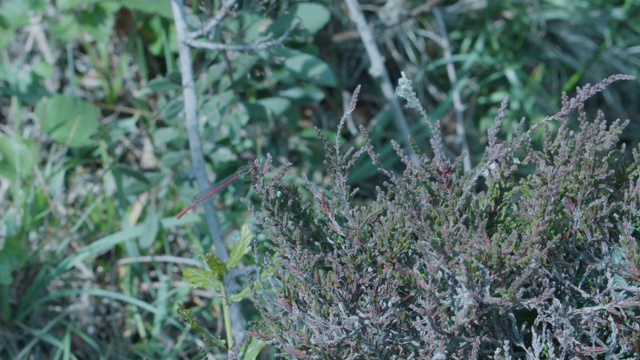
187,316
242,247
202,279
190,319
217,266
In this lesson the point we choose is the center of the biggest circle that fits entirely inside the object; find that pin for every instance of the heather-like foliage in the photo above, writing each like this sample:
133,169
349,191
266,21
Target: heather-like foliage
533,255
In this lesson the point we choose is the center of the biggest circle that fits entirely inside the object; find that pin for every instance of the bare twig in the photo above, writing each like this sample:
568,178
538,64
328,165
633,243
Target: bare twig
215,21
191,119
424,8
349,35
258,45
379,72
455,92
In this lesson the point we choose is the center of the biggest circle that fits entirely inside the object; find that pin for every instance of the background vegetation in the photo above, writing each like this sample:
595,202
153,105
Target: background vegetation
94,160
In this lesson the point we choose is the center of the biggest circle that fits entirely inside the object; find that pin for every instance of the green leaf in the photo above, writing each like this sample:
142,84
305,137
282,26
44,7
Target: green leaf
256,29
171,82
164,136
25,85
74,4
242,67
226,116
174,158
217,266
134,173
6,38
65,30
156,7
314,16
172,109
304,66
251,351
268,109
98,22
68,120
14,13
12,257
209,339
305,94
241,295
152,227
202,279
187,316
17,158
242,247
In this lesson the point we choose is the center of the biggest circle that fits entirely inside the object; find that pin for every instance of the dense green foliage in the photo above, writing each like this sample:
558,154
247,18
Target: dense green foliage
94,159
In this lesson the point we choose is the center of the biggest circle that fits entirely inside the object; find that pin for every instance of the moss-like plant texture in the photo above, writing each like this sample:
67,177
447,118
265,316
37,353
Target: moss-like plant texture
534,254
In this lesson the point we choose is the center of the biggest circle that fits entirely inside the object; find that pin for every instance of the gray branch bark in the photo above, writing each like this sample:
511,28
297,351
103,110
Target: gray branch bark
197,158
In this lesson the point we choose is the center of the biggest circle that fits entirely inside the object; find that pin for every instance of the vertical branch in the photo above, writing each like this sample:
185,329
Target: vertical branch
197,157
191,123
455,92
379,72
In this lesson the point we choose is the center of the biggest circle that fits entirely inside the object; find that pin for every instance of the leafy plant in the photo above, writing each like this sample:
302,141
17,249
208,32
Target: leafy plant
447,264
212,279
91,138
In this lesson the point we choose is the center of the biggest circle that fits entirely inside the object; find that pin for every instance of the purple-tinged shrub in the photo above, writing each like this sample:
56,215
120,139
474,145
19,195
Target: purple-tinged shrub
533,255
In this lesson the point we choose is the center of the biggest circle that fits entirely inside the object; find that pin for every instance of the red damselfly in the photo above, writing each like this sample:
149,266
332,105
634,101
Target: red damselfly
215,188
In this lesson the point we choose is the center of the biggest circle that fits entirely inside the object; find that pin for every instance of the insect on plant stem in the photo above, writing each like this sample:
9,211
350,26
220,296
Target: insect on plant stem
215,188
